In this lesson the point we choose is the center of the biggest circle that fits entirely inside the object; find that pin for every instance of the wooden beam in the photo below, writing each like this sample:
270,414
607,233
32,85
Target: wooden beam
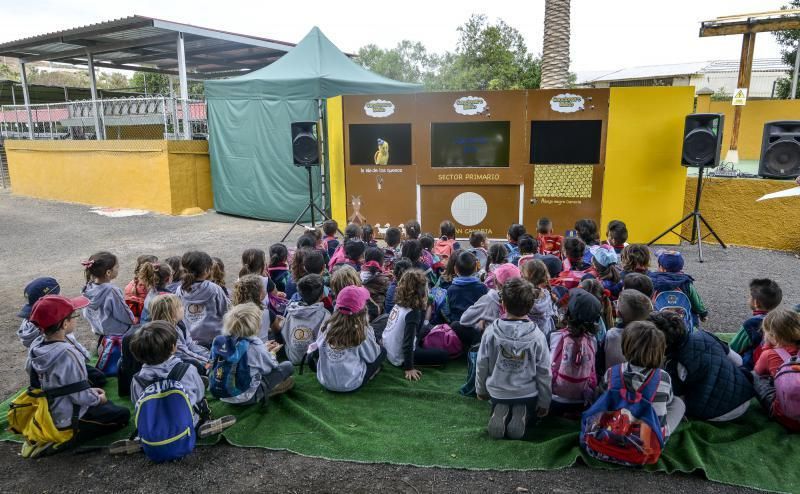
711,28
745,70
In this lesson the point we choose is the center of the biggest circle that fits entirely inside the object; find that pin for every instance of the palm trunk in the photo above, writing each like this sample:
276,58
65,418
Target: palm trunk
555,49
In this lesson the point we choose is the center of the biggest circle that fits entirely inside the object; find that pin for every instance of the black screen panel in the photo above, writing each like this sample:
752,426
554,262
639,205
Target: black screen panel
566,142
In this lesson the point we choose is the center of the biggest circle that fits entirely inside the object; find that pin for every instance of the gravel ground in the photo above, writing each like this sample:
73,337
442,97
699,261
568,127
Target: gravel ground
47,238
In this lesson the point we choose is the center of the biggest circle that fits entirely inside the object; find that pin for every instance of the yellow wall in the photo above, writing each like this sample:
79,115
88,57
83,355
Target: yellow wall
644,183
336,161
754,114
730,206
171,177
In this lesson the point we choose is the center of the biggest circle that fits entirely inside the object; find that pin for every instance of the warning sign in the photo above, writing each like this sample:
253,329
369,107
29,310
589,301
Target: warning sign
739,96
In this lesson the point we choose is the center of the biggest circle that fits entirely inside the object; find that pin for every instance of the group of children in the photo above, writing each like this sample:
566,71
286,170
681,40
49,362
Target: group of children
549,324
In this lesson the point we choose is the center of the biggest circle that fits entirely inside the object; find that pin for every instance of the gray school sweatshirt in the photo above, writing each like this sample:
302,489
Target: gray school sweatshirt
29,332
261,362
613,347
191,382
107,312
514,362
344,369
486,309
188,347
204,305
59,364
301,328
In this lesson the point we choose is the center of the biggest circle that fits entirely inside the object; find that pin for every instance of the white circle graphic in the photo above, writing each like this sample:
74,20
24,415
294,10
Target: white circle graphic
469,208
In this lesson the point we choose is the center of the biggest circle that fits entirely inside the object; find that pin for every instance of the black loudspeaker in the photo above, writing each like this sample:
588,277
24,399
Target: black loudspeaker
305,148
702,139
780,150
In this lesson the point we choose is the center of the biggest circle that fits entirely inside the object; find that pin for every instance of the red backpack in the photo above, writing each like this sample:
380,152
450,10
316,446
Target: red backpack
570,278
443,248
550,245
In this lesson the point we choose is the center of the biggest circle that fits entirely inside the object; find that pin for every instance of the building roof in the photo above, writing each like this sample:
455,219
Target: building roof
679,69
150,45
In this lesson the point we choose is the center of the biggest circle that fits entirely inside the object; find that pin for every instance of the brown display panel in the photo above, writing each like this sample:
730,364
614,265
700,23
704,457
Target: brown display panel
387,194
561,190
502,208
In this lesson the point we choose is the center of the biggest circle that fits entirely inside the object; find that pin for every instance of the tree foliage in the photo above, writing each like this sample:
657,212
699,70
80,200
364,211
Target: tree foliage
788,40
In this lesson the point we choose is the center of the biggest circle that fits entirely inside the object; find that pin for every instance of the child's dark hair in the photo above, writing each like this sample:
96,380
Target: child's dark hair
544,226
617,233
352,232
175,263
247,289
217,271
305,241
518,296
367,233
50,330
477,239
154,342
141,260
411,249
515,231
766,293
401,266
594,287
466,263
311,287
313,262
413,229
449,270
329,227
155,275
278,253
644,345
426,241
587,231
671,324
635,258
253,262
374,254
638,281
574,248
196,266
536,272
98,265
447,230
354,250
298,267
497,254
527,244
577,327
392,236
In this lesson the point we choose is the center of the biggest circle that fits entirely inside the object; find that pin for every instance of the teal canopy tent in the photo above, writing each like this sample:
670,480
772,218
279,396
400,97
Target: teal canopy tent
250,118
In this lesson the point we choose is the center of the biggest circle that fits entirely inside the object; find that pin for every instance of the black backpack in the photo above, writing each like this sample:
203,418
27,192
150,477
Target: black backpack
128,365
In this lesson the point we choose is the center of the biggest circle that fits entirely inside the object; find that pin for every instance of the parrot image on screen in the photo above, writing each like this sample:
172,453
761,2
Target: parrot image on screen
382,154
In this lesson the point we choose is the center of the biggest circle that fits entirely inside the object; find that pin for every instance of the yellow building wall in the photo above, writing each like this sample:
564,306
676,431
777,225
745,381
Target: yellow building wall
730,206
644,182
336,161
168,177
754,114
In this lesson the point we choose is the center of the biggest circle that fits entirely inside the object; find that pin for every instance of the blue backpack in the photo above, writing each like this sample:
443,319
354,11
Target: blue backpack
230,373
441,311
513,253
109,351
164,417
675,301
622,426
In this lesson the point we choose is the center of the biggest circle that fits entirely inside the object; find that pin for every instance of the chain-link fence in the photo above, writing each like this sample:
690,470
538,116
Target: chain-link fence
107,119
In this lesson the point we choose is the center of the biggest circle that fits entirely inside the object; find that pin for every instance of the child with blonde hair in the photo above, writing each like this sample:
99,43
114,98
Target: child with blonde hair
776,383
250,288
168,307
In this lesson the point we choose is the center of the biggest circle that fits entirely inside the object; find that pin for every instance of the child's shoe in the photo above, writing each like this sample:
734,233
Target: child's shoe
497,422
211,427
519,421
283,387
125,447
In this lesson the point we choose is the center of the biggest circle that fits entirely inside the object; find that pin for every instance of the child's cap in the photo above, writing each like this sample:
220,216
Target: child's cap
35,290
352,299
605,257
505,272
670,260
554,265
52,309
583,306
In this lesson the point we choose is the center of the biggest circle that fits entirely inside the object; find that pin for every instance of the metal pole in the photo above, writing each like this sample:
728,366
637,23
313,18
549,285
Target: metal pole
322,154
187,131
93,87
23,77
796,69
50,121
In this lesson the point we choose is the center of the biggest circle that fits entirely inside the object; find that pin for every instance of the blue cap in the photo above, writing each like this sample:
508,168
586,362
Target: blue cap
35,290
605,257
671,261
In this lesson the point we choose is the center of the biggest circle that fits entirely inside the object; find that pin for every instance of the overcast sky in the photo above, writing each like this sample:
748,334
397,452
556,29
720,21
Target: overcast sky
606,34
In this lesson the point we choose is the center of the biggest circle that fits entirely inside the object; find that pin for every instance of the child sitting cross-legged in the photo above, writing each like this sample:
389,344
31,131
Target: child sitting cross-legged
513,365
304,318
136,291
204,301
348,356
156,277
776,382
155,345
765,296
632,306
670,276
392,237
374,280
168,307
463,293
477,246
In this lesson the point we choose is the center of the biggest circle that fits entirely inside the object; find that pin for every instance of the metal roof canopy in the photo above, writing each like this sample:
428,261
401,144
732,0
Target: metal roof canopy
148,44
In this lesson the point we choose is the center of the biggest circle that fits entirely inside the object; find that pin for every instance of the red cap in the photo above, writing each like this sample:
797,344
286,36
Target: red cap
352,299
52,309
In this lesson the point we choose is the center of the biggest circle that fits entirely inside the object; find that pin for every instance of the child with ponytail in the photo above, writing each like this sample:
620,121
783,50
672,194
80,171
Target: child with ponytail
204,302
136,291
156,277
278,266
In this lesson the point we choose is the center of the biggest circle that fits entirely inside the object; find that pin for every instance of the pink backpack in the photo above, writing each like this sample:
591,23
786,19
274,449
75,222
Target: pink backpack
338,255
787,384
443,248
574,375
443,337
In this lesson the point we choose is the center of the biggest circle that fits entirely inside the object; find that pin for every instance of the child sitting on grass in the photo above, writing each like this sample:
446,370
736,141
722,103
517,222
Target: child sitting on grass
463,293
549,244
639,282
587,231
156,277
487,308
544,311
617,235
168,307
329,228
774,372
635,258
513,365
632,306
217,275
515,231
477,246
107,313
392,237
304,318
765,296
204,302
135,291
670,276
349,356
373,278
401,265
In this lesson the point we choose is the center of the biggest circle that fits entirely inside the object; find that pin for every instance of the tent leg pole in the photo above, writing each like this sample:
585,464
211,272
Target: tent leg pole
322,153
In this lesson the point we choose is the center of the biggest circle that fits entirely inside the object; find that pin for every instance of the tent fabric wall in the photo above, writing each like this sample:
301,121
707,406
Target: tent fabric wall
250,126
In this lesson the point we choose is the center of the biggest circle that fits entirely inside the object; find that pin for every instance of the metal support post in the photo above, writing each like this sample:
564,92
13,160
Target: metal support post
187,131
23,77
98,126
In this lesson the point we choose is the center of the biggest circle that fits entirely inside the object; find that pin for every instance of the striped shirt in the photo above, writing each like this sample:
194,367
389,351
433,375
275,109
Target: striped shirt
634,376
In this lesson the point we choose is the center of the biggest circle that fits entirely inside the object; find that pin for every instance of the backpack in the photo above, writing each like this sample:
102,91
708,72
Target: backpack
468,388
570,278
443,248
277,304
279,276
622,426
441,311
29,414
443,337
550,245
164,418
675,301
524,259
787,384
481,255
109,351
128,366
513,253
574,375
230,373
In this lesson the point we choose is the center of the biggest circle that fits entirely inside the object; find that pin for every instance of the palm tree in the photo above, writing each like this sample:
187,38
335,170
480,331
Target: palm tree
555,49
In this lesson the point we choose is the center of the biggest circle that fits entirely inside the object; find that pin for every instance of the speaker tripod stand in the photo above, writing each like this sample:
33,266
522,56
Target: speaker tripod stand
697,218
311,206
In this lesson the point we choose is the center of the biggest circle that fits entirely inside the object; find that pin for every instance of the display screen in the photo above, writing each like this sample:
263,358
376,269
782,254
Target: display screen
380,144
470,144
566,142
